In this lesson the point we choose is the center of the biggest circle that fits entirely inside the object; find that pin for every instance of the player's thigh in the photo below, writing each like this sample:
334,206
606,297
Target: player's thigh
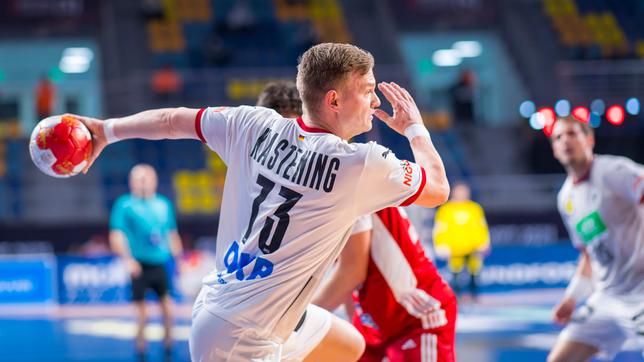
571,351
342,342
213,339
422,347
313,327
594,328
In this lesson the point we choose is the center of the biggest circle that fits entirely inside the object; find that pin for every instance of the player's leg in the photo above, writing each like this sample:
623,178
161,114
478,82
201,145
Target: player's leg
321,336
310,330
594,329
571,351
213,339
139,286
341,343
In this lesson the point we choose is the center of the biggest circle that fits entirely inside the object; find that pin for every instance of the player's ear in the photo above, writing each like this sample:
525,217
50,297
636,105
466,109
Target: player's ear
331,100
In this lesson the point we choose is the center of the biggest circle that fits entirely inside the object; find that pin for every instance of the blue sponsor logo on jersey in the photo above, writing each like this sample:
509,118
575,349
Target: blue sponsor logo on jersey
236,263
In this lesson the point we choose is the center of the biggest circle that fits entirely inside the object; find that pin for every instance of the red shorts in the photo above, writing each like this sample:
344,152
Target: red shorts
419,345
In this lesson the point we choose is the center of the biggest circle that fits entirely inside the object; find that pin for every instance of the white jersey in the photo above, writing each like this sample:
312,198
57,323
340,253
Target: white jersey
604,215
291,196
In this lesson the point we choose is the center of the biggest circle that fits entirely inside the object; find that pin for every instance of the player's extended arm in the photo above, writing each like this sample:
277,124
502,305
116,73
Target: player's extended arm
407,121
350,272
156,124
118,243
580,287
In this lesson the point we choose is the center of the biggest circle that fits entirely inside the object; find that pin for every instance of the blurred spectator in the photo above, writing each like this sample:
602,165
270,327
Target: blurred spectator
461,236
215,52
462,97
152,9
240,17
166,83
45,95
143,232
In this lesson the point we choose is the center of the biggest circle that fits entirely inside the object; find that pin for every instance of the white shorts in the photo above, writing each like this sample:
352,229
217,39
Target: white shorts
304,339
605,323
213,339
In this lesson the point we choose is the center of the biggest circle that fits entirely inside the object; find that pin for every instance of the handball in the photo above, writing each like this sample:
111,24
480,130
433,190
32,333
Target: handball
60,146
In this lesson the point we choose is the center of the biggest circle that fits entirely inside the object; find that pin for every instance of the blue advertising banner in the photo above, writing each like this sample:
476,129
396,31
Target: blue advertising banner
84,280
92,280
525,267
27,280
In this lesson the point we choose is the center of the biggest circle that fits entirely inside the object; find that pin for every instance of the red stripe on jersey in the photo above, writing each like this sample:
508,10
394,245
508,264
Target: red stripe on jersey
198,125
413,197
306,128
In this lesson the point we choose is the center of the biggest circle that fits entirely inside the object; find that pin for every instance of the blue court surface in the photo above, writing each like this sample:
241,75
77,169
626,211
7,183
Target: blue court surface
500,327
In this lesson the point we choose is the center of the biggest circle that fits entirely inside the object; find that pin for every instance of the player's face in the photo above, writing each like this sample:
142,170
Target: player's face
570,145
357,102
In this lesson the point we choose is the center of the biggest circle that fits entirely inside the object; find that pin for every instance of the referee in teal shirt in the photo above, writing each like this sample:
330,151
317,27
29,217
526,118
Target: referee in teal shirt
143,232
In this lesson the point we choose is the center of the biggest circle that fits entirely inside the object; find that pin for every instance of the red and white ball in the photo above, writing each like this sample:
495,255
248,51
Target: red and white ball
60,146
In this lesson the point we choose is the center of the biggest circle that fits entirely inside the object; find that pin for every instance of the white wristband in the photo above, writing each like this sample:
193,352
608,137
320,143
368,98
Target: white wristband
416,130
580,288
108,129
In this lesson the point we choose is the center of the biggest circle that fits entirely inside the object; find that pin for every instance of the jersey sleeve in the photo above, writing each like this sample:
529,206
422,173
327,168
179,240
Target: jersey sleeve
387,181
117,216
221,127
626,178
364,223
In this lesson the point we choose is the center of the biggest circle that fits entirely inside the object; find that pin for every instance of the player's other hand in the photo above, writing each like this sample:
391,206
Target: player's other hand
563,311
418,303
134,267
405,109
99,141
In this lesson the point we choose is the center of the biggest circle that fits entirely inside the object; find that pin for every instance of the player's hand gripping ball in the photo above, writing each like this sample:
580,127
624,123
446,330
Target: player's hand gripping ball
60,146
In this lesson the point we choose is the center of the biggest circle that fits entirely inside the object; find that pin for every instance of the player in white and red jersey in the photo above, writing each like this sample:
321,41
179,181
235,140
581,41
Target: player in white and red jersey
403,307
602,205
293,191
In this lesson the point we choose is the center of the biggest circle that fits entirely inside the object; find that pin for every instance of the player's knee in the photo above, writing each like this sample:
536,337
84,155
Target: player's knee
355,344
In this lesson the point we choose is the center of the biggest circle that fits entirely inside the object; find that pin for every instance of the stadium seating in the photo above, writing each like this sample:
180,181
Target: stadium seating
597,29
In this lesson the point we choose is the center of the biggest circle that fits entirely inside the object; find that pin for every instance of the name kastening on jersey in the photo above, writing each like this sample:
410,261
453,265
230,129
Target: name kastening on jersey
303,167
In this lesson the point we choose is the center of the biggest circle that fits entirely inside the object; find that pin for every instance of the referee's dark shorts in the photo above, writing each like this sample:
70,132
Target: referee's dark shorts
153,276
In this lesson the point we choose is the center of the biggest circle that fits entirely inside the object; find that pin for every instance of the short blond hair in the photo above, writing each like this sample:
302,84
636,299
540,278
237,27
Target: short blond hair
324,66
584,126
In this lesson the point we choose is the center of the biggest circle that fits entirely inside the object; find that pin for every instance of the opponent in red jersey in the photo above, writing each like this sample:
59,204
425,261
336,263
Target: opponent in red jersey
404,309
